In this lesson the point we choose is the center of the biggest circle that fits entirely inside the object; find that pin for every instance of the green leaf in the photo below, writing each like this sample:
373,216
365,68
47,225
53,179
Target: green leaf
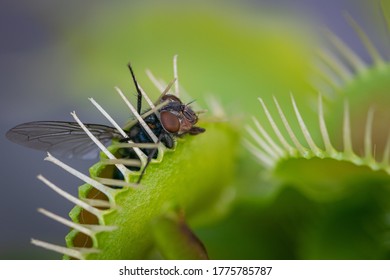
196,177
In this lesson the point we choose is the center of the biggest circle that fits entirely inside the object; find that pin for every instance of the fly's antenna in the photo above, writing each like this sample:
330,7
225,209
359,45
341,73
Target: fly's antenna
139,94
189,103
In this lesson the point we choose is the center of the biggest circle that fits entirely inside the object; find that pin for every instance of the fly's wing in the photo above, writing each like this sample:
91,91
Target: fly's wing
65,139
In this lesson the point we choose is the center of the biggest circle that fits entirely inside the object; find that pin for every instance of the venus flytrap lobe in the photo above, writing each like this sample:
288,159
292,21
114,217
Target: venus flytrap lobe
349,88
278,162
366,89
112,216
343,66
90,230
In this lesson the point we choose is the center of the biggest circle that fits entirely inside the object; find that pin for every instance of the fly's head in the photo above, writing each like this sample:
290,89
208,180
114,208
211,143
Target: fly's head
178,118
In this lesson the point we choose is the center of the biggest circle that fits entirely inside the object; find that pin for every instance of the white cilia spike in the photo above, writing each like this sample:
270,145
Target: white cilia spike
116,182
108,117
121,167
376,57
98,213
89,230
76,253
368,136
162,86
386,14
139,153
138,117
347,137
147,113
386,153
215,107
301,149
328,75
155,81
176,76
372,51
259,154
139,145
305,131
155,109
321,85
104,189
324,131
124,161
356,62
336,65
268,138
168,88
97,202
263,144
154,138
276,129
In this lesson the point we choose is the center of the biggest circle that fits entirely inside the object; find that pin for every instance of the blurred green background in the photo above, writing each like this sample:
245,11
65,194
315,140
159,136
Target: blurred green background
54,55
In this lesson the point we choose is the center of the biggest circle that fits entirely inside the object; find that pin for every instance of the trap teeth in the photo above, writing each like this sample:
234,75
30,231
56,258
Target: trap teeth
271,150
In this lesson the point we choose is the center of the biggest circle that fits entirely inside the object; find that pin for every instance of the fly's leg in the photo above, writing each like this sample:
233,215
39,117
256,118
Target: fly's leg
139,95
150,157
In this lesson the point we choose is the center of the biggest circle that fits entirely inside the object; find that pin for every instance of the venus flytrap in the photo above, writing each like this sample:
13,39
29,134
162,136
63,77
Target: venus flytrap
116,218
333,163
353,119
365,86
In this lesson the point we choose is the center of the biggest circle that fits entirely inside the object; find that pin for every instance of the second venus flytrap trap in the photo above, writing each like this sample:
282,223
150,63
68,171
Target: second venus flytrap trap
353,96
336,154
149,172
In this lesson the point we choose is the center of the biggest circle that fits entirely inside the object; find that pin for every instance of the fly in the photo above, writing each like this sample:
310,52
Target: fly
68,139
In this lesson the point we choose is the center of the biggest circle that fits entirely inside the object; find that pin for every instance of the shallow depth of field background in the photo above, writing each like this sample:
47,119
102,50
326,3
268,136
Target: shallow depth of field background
56,54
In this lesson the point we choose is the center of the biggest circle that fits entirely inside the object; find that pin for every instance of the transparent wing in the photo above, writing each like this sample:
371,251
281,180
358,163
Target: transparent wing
64,139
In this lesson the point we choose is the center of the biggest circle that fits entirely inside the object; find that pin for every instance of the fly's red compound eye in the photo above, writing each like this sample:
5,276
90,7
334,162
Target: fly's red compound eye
170,122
